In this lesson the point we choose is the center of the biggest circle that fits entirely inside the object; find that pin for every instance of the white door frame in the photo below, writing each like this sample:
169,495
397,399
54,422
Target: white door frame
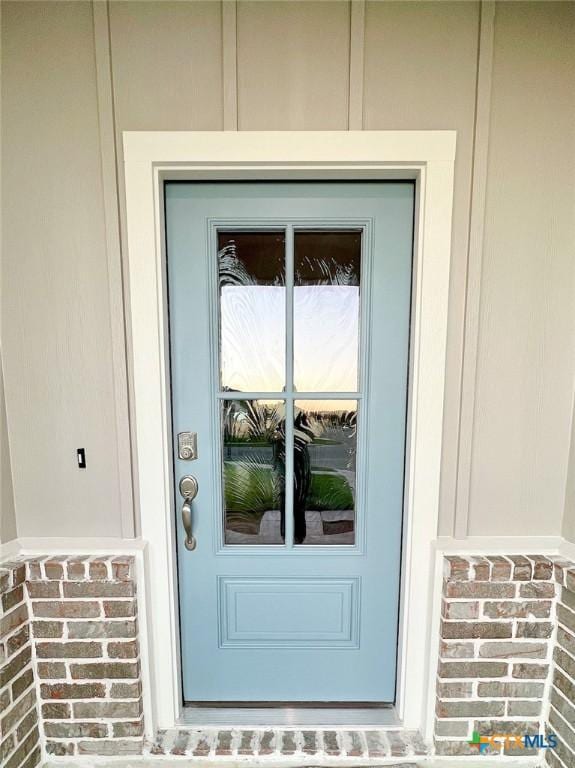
152,157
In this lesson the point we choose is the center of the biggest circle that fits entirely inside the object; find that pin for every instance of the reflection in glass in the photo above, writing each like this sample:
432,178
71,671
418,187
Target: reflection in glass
252,311
253,469
326,310
325,441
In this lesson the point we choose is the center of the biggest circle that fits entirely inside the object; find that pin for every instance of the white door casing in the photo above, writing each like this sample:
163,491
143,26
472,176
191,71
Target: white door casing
153,157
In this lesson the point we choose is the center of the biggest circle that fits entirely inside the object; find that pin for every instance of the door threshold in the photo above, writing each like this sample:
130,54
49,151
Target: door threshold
290,716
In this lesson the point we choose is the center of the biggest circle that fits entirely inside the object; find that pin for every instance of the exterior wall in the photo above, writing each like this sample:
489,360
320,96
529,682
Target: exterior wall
524,391
562,696
77,654
8,530
497,645
569,513
72,82
19,734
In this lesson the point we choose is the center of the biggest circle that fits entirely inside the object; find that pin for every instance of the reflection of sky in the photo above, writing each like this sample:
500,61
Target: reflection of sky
326,326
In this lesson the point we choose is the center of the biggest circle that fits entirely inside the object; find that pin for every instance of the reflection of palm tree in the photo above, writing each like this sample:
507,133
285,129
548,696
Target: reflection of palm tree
303,436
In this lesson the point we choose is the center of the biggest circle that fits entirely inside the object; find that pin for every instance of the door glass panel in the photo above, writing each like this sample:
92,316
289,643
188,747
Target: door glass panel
251,267
325,440
253,470
326,310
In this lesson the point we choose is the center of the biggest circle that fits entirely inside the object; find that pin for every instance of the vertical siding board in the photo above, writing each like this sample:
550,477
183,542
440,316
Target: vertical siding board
526,360
474,262
420,74
356,64
55,303
230,64
115,277
293,65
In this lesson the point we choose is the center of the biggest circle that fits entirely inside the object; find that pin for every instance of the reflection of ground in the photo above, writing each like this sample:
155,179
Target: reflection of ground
317,524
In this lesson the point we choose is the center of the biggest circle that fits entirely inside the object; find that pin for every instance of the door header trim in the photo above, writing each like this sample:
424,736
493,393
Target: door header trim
151,158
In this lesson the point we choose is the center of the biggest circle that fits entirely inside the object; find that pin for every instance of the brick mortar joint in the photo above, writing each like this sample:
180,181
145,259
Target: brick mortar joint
79,571
84,568
519,581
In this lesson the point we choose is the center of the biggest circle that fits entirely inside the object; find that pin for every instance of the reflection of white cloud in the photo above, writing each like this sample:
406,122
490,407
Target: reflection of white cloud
253,337
326,334
326,328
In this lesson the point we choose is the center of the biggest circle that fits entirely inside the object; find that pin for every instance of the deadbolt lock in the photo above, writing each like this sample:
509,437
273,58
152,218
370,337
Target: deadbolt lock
188,446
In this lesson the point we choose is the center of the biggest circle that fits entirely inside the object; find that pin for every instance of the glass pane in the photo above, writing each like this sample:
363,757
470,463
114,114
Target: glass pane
325,442
252,311
326,310
253,469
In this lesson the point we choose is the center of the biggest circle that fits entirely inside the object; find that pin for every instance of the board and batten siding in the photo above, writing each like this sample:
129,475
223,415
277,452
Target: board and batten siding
75,75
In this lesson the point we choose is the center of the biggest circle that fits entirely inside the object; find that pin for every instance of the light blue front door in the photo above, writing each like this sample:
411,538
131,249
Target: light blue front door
289,309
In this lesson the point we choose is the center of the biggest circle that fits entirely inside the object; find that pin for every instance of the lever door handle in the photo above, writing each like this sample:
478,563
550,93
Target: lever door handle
189,491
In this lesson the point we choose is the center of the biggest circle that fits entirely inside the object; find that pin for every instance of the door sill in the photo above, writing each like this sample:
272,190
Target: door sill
290,716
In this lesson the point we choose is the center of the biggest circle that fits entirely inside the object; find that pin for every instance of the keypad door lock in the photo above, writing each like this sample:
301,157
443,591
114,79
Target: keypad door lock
188,446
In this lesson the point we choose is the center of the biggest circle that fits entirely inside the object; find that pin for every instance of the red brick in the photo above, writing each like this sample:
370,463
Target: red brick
76,567
66,650
454,650
44,589
505,609
111,748
104,670
457,568
17,712
52,670
461,669
128,728
537,589
122,567
460,609
113,709
522,568
54,568
73,691
18,640
500,568
498,689
117,609
98,569
13,620
9,671
59,748
463,630
98,589
480,568
22,683
125,690
47,628
56,711
66,610
64,730
127,650
478,590
101,629
542,567
12,598
530,671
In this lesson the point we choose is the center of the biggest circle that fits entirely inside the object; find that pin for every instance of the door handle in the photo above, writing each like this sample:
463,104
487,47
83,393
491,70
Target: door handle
188,490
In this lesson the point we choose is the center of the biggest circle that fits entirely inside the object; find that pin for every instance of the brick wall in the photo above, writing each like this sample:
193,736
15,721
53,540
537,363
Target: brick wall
497,626
562,695
84,648
19,735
